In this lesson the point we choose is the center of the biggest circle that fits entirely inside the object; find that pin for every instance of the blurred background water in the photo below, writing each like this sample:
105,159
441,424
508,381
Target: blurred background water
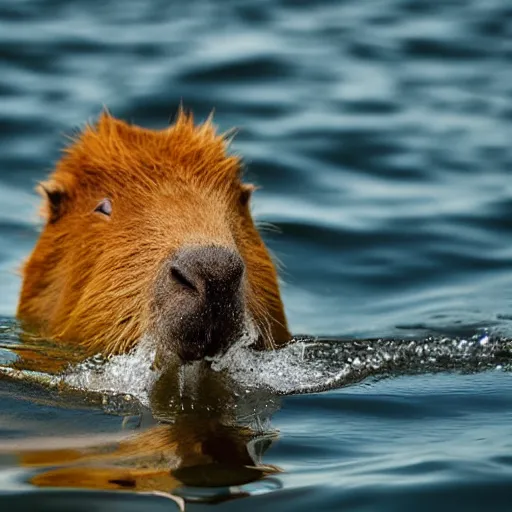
380,132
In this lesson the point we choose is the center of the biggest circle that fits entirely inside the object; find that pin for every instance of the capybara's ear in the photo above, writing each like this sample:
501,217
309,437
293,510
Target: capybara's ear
247,190
55,202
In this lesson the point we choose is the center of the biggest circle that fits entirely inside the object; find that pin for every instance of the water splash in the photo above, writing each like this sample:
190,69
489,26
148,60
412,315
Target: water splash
311,365
129,374
308,364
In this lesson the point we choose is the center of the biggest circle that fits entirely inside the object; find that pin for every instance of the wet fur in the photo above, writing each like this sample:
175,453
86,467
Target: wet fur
90,279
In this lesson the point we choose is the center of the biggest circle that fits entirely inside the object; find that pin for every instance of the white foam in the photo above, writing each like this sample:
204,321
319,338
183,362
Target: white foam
281,371
130,374
303,365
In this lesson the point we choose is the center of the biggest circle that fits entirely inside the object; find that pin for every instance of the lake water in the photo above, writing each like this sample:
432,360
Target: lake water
381,135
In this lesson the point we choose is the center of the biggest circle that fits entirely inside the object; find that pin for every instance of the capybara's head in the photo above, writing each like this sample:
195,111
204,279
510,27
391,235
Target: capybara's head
149,234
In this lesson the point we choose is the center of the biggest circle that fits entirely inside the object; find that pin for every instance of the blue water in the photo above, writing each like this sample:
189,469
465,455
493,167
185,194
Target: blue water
381,134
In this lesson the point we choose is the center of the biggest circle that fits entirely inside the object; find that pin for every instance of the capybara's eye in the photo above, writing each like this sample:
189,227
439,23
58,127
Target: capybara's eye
104,207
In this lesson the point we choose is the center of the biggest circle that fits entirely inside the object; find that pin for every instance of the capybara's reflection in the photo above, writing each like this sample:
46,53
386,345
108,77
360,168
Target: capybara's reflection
200,435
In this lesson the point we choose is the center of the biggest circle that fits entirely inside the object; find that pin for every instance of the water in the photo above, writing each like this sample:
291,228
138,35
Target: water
380,133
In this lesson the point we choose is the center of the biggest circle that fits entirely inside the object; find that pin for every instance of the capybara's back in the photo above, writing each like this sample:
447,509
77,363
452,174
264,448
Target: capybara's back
149,234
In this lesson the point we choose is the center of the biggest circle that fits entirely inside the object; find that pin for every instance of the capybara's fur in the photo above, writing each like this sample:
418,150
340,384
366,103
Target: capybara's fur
100,278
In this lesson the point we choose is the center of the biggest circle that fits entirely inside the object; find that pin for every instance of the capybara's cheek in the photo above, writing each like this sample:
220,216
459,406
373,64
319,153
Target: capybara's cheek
199,305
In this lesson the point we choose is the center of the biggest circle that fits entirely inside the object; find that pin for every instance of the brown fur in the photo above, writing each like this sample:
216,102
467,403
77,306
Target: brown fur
89,279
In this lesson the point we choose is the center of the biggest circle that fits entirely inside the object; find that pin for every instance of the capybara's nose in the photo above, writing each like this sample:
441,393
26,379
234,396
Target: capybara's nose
208,298
214,272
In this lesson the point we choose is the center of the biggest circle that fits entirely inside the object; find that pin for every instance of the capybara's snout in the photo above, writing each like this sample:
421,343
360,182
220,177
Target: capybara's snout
200,301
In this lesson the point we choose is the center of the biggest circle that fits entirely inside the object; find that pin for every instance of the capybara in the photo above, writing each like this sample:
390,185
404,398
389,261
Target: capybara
148,234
